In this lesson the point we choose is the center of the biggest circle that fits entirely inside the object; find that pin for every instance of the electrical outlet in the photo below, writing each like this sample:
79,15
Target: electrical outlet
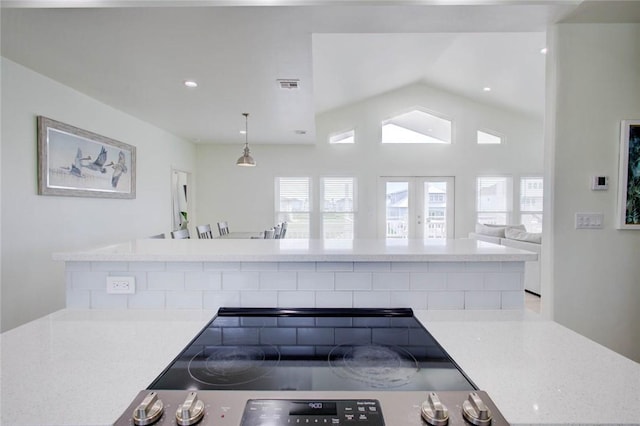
121,285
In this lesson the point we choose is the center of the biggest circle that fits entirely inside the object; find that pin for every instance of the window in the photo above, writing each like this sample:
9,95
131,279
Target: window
338,207
416,127
485,138
531,203
344,137
293,205
494,200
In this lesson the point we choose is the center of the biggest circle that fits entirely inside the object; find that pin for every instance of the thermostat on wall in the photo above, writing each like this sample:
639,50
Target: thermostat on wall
599,183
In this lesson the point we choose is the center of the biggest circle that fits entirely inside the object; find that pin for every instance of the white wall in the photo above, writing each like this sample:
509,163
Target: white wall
245,196
596,273
35,226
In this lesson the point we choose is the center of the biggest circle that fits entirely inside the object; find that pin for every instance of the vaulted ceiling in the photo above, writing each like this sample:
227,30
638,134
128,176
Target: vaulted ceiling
136,58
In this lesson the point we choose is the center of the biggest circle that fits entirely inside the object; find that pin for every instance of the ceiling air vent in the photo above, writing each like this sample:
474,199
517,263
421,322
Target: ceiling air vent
289,83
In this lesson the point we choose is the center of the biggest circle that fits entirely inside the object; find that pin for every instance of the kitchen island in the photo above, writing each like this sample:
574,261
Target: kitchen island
83,367
204,274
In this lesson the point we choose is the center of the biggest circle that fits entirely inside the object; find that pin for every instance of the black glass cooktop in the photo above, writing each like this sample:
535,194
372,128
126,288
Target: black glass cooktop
313,349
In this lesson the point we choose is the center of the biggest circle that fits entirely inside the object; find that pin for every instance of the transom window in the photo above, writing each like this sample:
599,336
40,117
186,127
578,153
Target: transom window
343,137
416,127
485,138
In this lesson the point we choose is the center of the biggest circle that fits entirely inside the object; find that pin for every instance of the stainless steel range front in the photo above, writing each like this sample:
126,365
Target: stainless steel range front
276,367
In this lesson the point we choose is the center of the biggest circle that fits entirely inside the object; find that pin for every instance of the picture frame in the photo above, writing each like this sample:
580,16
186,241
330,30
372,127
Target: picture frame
79,163
629,176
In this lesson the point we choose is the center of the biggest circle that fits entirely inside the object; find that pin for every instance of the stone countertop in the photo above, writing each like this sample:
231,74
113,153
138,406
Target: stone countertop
85,367
301,250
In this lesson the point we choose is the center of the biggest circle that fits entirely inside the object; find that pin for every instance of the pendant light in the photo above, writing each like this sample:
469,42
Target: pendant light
246,160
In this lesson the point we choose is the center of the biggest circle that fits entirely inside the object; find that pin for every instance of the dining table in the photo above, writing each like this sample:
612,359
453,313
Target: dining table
244,235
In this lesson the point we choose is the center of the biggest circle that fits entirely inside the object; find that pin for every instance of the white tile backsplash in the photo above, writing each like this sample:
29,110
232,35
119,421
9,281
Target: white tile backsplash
316,280
278,280
428,281
209,281
184,266
371,299
512,300
464,281
210,285
221,266
297,266
503,281
109,266
214,300
353,280
391,281
79,299
184,300
259,299
240,280
408,299
445,300
372,266
297,299
89,280
334,266
171,281
334,299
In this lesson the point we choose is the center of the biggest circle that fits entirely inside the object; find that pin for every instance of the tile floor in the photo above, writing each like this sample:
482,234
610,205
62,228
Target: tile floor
532,302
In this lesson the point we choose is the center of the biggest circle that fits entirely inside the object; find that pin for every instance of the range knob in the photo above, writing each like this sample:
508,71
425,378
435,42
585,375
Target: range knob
475,411
149,410
434,412
190,411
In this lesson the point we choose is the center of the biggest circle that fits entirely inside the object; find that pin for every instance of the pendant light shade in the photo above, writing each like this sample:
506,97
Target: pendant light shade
246,160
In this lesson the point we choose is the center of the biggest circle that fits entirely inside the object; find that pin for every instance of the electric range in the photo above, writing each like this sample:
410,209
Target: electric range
275,367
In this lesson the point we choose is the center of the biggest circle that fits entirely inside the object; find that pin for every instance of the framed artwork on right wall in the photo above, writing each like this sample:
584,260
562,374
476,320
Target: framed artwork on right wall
629,175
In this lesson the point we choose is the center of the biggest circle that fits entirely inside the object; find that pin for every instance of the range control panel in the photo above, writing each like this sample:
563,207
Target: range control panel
311,408
277,412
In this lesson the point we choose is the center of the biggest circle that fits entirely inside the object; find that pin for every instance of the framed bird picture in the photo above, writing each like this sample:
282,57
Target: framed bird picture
78,163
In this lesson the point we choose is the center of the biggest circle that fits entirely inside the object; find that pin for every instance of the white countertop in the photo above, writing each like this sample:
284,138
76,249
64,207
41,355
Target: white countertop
85,367
312,250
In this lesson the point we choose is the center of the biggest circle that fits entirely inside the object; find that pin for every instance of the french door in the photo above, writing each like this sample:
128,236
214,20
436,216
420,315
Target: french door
417,207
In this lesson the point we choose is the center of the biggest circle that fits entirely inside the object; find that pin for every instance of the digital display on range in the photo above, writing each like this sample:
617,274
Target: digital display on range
313,408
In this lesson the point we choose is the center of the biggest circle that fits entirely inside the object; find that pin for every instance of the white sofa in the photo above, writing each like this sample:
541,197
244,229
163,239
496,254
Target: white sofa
516,237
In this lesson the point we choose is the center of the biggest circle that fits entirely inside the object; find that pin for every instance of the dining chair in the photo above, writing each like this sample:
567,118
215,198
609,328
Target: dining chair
180,234
283,229
223,228
276,231
204,232
158,236
269,234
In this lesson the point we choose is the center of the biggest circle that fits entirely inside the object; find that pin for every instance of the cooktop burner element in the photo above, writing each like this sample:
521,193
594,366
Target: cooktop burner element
330,367
232,365
374,365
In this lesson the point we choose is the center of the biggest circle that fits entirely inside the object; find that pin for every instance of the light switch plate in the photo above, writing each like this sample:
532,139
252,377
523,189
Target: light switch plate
589,220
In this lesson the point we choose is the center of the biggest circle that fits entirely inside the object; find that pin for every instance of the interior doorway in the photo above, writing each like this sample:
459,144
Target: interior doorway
180,199
417,207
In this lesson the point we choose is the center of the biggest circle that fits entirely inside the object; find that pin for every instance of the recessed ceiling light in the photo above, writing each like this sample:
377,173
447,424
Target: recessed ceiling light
190,83
544,50
243,132
487,89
